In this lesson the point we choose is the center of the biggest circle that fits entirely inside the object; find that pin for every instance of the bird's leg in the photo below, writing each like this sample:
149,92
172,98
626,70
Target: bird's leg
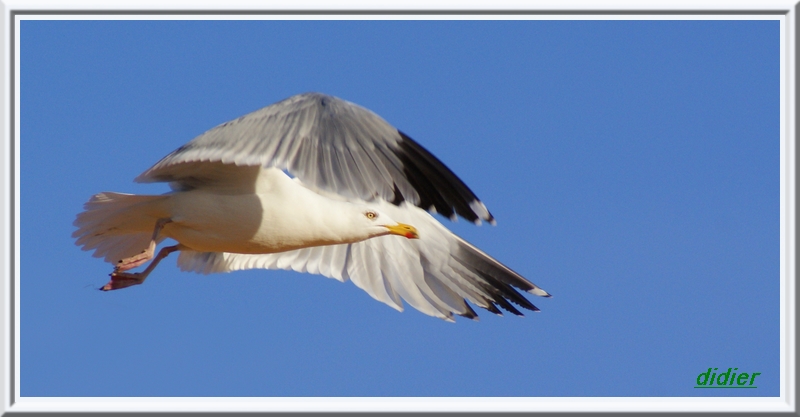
146,255
125,279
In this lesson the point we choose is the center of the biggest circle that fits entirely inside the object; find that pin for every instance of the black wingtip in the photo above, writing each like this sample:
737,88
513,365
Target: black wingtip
436,184
492,308
502,302
470,313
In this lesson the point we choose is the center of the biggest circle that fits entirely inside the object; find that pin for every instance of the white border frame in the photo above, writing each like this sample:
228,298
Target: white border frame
417,10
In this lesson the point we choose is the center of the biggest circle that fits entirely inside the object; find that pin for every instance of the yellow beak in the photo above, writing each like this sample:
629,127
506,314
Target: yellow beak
401,229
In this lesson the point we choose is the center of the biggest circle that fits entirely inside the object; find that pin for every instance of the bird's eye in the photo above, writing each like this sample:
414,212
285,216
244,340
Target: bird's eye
371,215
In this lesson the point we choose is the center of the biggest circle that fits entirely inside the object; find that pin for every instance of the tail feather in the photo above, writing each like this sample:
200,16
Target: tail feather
117,225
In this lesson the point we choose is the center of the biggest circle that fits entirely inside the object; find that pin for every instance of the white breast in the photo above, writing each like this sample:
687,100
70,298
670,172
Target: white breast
275,215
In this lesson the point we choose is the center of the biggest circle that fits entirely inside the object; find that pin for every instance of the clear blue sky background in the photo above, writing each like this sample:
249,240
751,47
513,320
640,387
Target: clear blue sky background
633,167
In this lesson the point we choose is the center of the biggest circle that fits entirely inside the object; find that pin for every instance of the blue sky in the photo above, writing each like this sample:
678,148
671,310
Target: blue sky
632,166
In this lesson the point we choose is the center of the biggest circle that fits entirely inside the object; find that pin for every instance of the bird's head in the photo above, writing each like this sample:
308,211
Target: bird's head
380,224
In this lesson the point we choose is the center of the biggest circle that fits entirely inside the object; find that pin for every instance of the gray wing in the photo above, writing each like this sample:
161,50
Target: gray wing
330,144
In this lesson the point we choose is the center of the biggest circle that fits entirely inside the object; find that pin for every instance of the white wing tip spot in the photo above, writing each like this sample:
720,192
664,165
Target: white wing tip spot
540,292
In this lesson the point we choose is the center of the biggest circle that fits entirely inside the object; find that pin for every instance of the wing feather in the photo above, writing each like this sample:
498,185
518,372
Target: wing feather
334,145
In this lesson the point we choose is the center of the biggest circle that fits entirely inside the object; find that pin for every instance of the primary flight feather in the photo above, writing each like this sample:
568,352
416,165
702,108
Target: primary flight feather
357,209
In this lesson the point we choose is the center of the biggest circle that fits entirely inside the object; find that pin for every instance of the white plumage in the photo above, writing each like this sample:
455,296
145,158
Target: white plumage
353,211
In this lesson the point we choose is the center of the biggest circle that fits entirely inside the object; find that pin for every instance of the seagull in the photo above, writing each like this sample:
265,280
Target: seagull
313,184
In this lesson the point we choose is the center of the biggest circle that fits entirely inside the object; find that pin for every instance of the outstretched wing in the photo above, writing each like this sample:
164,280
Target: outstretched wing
436,274
329,144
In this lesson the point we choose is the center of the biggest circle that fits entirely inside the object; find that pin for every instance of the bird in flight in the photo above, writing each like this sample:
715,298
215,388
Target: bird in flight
314,184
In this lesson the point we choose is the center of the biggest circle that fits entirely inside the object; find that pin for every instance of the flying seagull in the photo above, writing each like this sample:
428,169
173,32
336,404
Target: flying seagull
315,184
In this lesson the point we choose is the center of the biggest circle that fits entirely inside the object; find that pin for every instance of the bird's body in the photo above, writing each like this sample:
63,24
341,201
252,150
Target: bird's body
358,181
260,220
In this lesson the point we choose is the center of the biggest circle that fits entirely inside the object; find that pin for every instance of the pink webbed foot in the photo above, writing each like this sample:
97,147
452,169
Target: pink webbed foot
147,254
121,280
136,260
